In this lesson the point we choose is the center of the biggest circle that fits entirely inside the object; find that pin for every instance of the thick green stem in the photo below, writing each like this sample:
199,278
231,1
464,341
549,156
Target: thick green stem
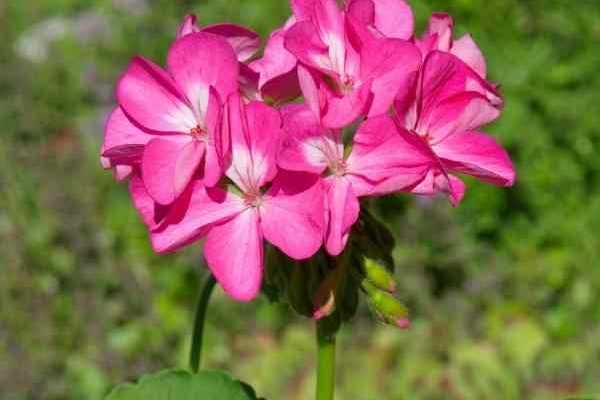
196,349
326,361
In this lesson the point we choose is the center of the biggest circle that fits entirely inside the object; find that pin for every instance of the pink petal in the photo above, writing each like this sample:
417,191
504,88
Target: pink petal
168,165
443,76
277,69
122,172
234,254
187,26
391,63
329,21
441,25
255,136
244,41
437,181
150,97
217,146
292,214
200,60
120,131
305,144
341,111
192,214
343,209
310,90
303,41
150,211
467,50
381,151
303,9
478,155
391,18
463,112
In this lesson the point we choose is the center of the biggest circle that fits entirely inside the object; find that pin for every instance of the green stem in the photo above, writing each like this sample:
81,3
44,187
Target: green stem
326,361
196,350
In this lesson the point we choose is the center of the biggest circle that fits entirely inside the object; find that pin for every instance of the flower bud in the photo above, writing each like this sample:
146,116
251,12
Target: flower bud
386,306
377,273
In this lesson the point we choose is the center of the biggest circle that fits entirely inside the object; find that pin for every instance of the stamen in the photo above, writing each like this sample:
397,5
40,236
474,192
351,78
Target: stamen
198,133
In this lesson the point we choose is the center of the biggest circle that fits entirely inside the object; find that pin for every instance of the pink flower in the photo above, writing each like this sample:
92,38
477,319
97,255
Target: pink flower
278,78
285,208
245,44
344,69
384,18
168,122
378,154
445,113
438,37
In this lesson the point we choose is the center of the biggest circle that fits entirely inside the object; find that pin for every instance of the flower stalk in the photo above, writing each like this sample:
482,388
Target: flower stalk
199,319
326,341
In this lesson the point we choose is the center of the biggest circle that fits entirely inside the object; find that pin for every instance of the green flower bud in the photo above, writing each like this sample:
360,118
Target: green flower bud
386,306
377,273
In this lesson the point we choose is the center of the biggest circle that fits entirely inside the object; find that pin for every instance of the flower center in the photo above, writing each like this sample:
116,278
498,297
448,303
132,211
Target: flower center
253,199
337,167
198,133
347,83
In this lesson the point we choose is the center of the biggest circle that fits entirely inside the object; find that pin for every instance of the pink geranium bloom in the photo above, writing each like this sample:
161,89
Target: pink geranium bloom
384,18
285,208
345,71
168,122
446,116
245,44
278,79
439,37
378,153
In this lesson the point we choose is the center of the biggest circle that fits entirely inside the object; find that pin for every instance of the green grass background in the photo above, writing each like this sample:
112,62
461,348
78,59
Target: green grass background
503,291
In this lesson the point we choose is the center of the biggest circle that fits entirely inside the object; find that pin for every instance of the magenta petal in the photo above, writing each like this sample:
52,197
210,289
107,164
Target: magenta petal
303,41
478,155
264,134
467,50
443,76
255,131
120,131
342,111
234,254
122,172
217,146
303,9
463,112
391,63
310,90
168,165
391,18
381,150
305,143
188,25
442,26
200,60
150,211
192,214
245,42
277,69
343,209
292,214
149,96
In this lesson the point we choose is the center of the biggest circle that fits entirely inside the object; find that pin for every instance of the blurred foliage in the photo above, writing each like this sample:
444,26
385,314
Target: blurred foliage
503,290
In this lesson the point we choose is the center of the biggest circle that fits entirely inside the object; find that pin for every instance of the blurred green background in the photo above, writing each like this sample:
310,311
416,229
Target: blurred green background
503,291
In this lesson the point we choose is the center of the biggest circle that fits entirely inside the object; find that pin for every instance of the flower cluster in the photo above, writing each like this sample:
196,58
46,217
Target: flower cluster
217,145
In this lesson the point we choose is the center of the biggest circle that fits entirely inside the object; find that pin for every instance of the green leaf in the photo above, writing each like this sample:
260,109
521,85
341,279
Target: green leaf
183,385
